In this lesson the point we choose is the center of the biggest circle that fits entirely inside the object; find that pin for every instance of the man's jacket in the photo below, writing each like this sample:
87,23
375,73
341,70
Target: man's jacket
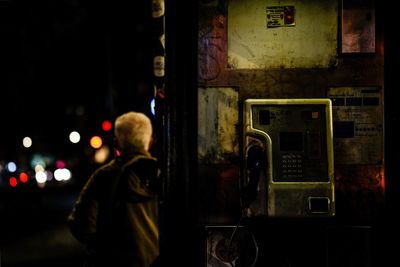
116,213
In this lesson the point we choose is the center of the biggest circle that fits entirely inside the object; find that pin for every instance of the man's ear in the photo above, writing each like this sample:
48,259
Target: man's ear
152,141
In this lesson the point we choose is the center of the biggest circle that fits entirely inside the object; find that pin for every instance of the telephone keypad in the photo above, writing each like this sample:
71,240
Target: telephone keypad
292,166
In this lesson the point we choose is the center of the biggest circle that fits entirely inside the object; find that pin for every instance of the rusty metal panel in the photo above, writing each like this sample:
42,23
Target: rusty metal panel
358,124
309,42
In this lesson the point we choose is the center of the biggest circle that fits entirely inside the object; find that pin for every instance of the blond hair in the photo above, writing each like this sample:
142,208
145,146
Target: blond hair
133,130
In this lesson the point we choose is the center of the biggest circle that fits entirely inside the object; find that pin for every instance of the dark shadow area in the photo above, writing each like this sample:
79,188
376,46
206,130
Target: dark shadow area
67,66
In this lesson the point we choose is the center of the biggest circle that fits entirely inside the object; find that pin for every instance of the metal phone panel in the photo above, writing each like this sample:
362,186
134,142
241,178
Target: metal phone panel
297,137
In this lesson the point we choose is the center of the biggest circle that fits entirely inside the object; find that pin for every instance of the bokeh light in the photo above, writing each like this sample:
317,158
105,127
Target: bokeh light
96,142
153,106
106,125
62,174
60,164
11,166
41,177
74,137
13,182
23,177
102,154
36,160
27,142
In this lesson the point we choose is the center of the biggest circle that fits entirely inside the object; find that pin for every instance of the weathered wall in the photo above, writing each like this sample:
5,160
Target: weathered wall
359,187
218,124
310,41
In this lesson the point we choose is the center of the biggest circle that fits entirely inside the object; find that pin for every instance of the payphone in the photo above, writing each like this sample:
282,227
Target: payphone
288,158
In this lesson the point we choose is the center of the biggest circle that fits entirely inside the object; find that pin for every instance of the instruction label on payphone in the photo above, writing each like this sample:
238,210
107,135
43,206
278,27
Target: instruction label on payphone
358,124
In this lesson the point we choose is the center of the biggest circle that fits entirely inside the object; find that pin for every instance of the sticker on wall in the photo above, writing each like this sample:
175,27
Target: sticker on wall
357,124
280,16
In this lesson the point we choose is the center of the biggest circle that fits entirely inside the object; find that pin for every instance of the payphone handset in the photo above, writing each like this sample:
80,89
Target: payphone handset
255,166
288,158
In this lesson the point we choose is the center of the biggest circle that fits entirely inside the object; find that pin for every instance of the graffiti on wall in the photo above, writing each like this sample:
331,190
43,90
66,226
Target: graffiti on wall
212,40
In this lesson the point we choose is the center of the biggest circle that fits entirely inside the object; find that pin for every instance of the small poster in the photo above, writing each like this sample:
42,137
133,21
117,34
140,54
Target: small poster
280,16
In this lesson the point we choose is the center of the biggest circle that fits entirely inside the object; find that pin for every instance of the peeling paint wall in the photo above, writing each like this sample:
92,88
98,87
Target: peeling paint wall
218,153
218,119
310,43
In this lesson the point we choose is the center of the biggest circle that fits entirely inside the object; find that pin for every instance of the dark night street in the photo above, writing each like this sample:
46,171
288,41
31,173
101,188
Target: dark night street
34,232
